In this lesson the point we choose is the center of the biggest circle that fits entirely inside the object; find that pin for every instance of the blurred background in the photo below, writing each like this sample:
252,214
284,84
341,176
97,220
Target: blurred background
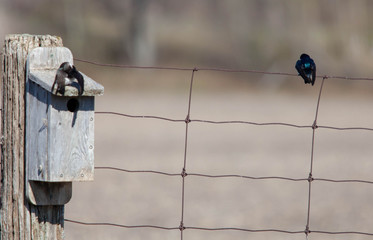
264,35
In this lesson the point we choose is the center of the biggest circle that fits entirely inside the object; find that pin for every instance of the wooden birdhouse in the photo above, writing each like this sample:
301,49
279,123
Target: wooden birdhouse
59,129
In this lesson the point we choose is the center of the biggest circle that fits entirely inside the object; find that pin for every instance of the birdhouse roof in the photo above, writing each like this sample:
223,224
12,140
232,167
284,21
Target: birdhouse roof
42,65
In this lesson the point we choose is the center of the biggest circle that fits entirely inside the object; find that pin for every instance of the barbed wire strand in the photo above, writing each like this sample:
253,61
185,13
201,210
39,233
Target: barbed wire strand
214,69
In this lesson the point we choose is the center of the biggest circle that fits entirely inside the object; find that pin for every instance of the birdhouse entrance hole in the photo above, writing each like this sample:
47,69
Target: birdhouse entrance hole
73,105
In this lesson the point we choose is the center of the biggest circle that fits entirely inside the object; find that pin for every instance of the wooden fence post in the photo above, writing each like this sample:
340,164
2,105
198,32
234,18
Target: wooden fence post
19,218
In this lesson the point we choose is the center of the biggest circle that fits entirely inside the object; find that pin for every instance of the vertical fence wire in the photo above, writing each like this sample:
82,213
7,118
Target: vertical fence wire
310,176
184,173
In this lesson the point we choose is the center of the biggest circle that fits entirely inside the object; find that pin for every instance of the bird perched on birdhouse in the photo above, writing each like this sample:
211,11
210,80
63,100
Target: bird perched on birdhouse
306,68
67,75
59,131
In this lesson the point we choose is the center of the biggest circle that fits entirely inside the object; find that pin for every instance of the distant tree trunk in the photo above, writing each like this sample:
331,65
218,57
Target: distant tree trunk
75,25
20,219
141,42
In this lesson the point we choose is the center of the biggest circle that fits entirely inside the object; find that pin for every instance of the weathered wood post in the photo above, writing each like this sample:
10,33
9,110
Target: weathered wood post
20,219
34,192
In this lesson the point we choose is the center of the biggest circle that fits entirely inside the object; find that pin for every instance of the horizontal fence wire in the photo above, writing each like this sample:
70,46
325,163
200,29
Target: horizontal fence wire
217,70
234,122
105,224
141,116
184,173
120,225
236,176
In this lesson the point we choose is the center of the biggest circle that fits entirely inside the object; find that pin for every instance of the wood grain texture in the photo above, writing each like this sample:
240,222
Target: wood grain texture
71,140
59,142
40,193
19,219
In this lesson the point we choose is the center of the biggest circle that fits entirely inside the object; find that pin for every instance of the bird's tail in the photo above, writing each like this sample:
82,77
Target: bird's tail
53,86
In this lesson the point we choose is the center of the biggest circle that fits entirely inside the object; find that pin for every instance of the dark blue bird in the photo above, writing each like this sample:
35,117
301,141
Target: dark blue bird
66,76
306,67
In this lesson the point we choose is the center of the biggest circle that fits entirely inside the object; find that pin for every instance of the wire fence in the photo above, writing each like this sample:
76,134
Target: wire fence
182,227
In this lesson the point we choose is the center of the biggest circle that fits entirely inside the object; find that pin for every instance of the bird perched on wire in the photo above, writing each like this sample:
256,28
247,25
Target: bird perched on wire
306,68
67,75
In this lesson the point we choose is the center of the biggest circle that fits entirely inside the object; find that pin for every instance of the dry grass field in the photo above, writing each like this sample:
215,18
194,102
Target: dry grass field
151,144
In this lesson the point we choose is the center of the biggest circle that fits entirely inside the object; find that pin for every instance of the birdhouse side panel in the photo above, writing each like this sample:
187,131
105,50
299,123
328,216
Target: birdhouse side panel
36,132
71,135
